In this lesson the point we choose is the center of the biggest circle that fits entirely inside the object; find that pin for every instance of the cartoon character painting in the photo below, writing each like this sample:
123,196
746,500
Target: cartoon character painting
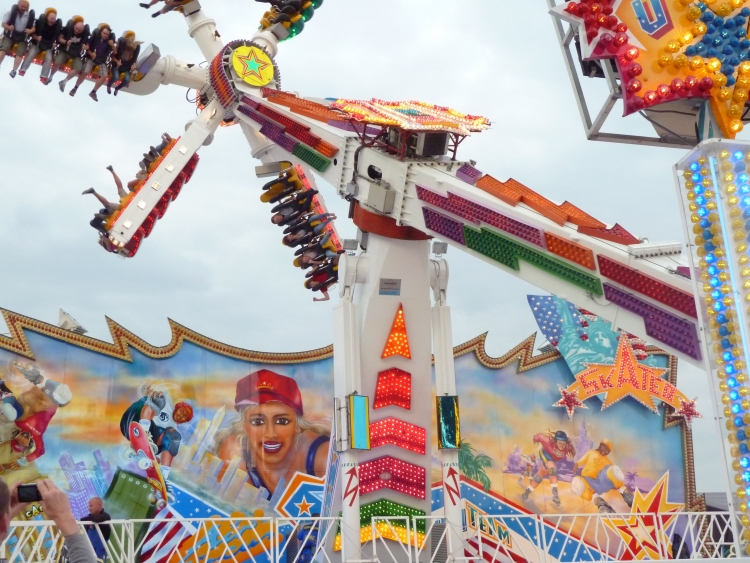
34,399
554,448
599,476
159,417
271,434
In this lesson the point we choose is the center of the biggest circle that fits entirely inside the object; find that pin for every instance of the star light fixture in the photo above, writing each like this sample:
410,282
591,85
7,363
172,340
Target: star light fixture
688,411
569,400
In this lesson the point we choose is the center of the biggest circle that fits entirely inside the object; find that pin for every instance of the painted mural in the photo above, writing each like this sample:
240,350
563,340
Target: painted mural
200,429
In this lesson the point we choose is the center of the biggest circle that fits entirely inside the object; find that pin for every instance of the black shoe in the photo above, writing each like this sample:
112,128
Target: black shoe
116,90
110,168
73,92
142,5
93,96
12,73
156,15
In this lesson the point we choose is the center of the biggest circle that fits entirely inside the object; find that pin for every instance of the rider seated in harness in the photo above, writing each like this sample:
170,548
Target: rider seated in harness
101,46
46,31
18,24
124,59
73,42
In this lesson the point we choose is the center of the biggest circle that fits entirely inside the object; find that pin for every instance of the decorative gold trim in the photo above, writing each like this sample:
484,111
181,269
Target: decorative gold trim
123,340
524,353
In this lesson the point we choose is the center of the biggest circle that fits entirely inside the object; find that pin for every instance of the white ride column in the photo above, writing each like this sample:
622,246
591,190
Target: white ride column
445,384
347,380
393,274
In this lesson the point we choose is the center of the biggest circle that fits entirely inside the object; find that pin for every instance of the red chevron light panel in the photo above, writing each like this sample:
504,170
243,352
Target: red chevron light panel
393,388
394,432
391,473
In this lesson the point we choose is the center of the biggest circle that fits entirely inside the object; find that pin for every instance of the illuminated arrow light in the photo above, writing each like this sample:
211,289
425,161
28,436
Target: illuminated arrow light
156,185
390,473
142,204
127,224
170,167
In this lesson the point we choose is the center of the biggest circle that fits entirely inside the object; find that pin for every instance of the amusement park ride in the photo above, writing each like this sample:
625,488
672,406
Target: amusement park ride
398,165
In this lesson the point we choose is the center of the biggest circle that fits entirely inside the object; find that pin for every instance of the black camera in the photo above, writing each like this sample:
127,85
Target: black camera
29,493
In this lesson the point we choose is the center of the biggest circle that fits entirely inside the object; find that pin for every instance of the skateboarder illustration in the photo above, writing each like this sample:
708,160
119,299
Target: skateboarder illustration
157,417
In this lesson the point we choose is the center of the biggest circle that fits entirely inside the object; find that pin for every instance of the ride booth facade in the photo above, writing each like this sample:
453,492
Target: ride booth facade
580,451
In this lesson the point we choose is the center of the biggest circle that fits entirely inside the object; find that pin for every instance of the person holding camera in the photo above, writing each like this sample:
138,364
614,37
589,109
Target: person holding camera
56,508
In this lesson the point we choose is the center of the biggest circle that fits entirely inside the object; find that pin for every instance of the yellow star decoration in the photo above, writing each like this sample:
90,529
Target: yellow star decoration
644,531
253,65
625,378
304,507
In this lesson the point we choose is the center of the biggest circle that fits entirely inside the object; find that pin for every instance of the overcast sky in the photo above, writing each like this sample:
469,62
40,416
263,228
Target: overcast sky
215,263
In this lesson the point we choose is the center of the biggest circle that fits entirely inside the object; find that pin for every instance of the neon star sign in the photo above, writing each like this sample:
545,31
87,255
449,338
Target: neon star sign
626,377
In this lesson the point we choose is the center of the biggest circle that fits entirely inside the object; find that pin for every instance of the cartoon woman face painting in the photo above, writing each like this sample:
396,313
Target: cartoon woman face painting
271,430
272,435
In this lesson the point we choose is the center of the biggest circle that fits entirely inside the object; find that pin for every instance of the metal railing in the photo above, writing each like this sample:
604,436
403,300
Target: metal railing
503,538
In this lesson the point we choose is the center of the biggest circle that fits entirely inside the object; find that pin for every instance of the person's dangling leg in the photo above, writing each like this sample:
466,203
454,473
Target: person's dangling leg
20,52
113,79
44,77
124,82
317,229
30,56
64,82
61,58
120,190
325,239
79,81
101,199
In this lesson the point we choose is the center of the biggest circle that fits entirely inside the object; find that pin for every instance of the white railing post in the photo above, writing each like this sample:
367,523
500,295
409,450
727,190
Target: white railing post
539,524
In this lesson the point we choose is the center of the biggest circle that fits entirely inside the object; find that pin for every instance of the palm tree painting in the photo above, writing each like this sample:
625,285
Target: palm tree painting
630,480
473,465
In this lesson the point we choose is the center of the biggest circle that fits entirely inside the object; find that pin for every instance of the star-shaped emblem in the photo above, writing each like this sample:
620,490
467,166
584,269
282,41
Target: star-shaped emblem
252,65
304,506
626,377
569,400
688,411
644,531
